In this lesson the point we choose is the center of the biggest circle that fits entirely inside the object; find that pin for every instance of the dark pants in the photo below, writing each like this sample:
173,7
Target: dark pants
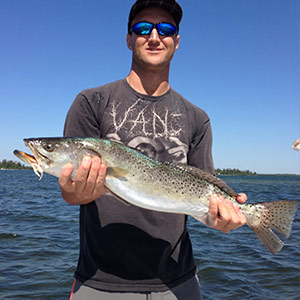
189,290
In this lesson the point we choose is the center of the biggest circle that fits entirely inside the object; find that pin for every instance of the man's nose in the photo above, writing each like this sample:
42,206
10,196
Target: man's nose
154,36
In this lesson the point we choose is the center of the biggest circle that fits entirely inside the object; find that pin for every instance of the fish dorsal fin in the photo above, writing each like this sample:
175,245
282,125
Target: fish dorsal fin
209,178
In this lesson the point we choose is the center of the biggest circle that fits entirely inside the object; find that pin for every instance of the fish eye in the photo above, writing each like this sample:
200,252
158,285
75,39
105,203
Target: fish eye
48,147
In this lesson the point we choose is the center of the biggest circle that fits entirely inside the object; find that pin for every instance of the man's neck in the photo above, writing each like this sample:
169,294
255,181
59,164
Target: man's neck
149,83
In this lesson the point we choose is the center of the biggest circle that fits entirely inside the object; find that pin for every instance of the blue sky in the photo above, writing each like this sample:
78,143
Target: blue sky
238,60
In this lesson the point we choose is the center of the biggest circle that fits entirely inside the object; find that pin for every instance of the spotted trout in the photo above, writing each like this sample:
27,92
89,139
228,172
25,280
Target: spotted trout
160,186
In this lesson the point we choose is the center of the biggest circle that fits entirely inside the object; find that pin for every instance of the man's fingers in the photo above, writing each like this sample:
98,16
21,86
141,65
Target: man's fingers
225,211
241,198
82,174
219,212
213,207
92,175
241,216
65,177
101,177
226,215
237,218
230,217
89,182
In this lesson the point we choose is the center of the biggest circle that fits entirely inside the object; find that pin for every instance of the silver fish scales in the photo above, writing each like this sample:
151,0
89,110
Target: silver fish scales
150,184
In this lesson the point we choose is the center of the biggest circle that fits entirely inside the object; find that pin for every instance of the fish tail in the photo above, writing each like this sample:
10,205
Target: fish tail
277,216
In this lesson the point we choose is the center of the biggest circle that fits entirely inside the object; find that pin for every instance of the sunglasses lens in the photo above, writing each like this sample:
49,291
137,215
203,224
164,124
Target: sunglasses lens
166,29
142,28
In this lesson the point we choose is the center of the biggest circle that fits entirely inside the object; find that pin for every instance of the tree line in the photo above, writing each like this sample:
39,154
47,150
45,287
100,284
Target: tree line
234,172
12,165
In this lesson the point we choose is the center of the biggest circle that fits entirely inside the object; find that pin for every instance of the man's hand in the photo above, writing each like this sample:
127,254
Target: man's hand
226,215
89,182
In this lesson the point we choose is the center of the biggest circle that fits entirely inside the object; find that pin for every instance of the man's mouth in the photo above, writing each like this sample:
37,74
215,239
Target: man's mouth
154,49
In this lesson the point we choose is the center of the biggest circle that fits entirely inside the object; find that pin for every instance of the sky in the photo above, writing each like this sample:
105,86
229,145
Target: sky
238,60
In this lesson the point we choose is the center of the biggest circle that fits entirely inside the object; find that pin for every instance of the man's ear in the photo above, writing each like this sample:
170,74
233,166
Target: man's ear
129,41
177,42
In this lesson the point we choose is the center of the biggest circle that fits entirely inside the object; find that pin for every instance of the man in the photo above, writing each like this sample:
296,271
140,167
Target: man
127,252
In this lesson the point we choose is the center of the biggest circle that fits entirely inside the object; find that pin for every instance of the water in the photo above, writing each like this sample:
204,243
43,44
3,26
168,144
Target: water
39,244
236,265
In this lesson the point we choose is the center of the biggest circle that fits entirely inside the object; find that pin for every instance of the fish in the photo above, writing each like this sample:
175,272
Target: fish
296,145
140,180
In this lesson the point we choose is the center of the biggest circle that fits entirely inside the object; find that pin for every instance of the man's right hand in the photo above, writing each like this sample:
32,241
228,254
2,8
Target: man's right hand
89,182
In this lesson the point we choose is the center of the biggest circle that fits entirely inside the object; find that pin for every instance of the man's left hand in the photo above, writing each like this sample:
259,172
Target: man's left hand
226,215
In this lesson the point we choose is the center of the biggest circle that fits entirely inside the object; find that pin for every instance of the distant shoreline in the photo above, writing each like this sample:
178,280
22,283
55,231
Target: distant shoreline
12,169
237,172
12,165
276,174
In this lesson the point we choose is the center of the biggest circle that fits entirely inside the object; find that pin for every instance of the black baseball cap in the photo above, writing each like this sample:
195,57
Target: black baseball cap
170,5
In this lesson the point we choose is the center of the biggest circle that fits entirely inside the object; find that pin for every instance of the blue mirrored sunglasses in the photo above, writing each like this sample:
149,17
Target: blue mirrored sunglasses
144,28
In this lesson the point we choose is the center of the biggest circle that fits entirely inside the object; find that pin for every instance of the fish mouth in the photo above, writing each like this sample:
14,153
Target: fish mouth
36,153
31,160
25,157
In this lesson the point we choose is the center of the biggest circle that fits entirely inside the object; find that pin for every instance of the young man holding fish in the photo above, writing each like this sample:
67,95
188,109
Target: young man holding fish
127,252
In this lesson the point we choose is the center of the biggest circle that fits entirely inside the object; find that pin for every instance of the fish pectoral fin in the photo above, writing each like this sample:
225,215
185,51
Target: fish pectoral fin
117,173
205,219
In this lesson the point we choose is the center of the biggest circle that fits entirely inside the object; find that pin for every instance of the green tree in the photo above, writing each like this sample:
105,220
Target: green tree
12,165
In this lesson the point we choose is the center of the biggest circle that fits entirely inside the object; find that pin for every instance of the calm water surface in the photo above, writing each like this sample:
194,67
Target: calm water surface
39,244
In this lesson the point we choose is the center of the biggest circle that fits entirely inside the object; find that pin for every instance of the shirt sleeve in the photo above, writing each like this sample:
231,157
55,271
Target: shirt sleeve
81,120
200,150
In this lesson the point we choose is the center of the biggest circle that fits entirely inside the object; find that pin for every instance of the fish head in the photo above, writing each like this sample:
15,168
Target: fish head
52,154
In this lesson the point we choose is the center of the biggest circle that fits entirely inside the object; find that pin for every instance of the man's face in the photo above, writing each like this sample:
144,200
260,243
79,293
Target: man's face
152,52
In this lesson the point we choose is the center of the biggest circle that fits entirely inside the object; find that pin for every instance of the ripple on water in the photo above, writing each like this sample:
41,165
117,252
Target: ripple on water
39,244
